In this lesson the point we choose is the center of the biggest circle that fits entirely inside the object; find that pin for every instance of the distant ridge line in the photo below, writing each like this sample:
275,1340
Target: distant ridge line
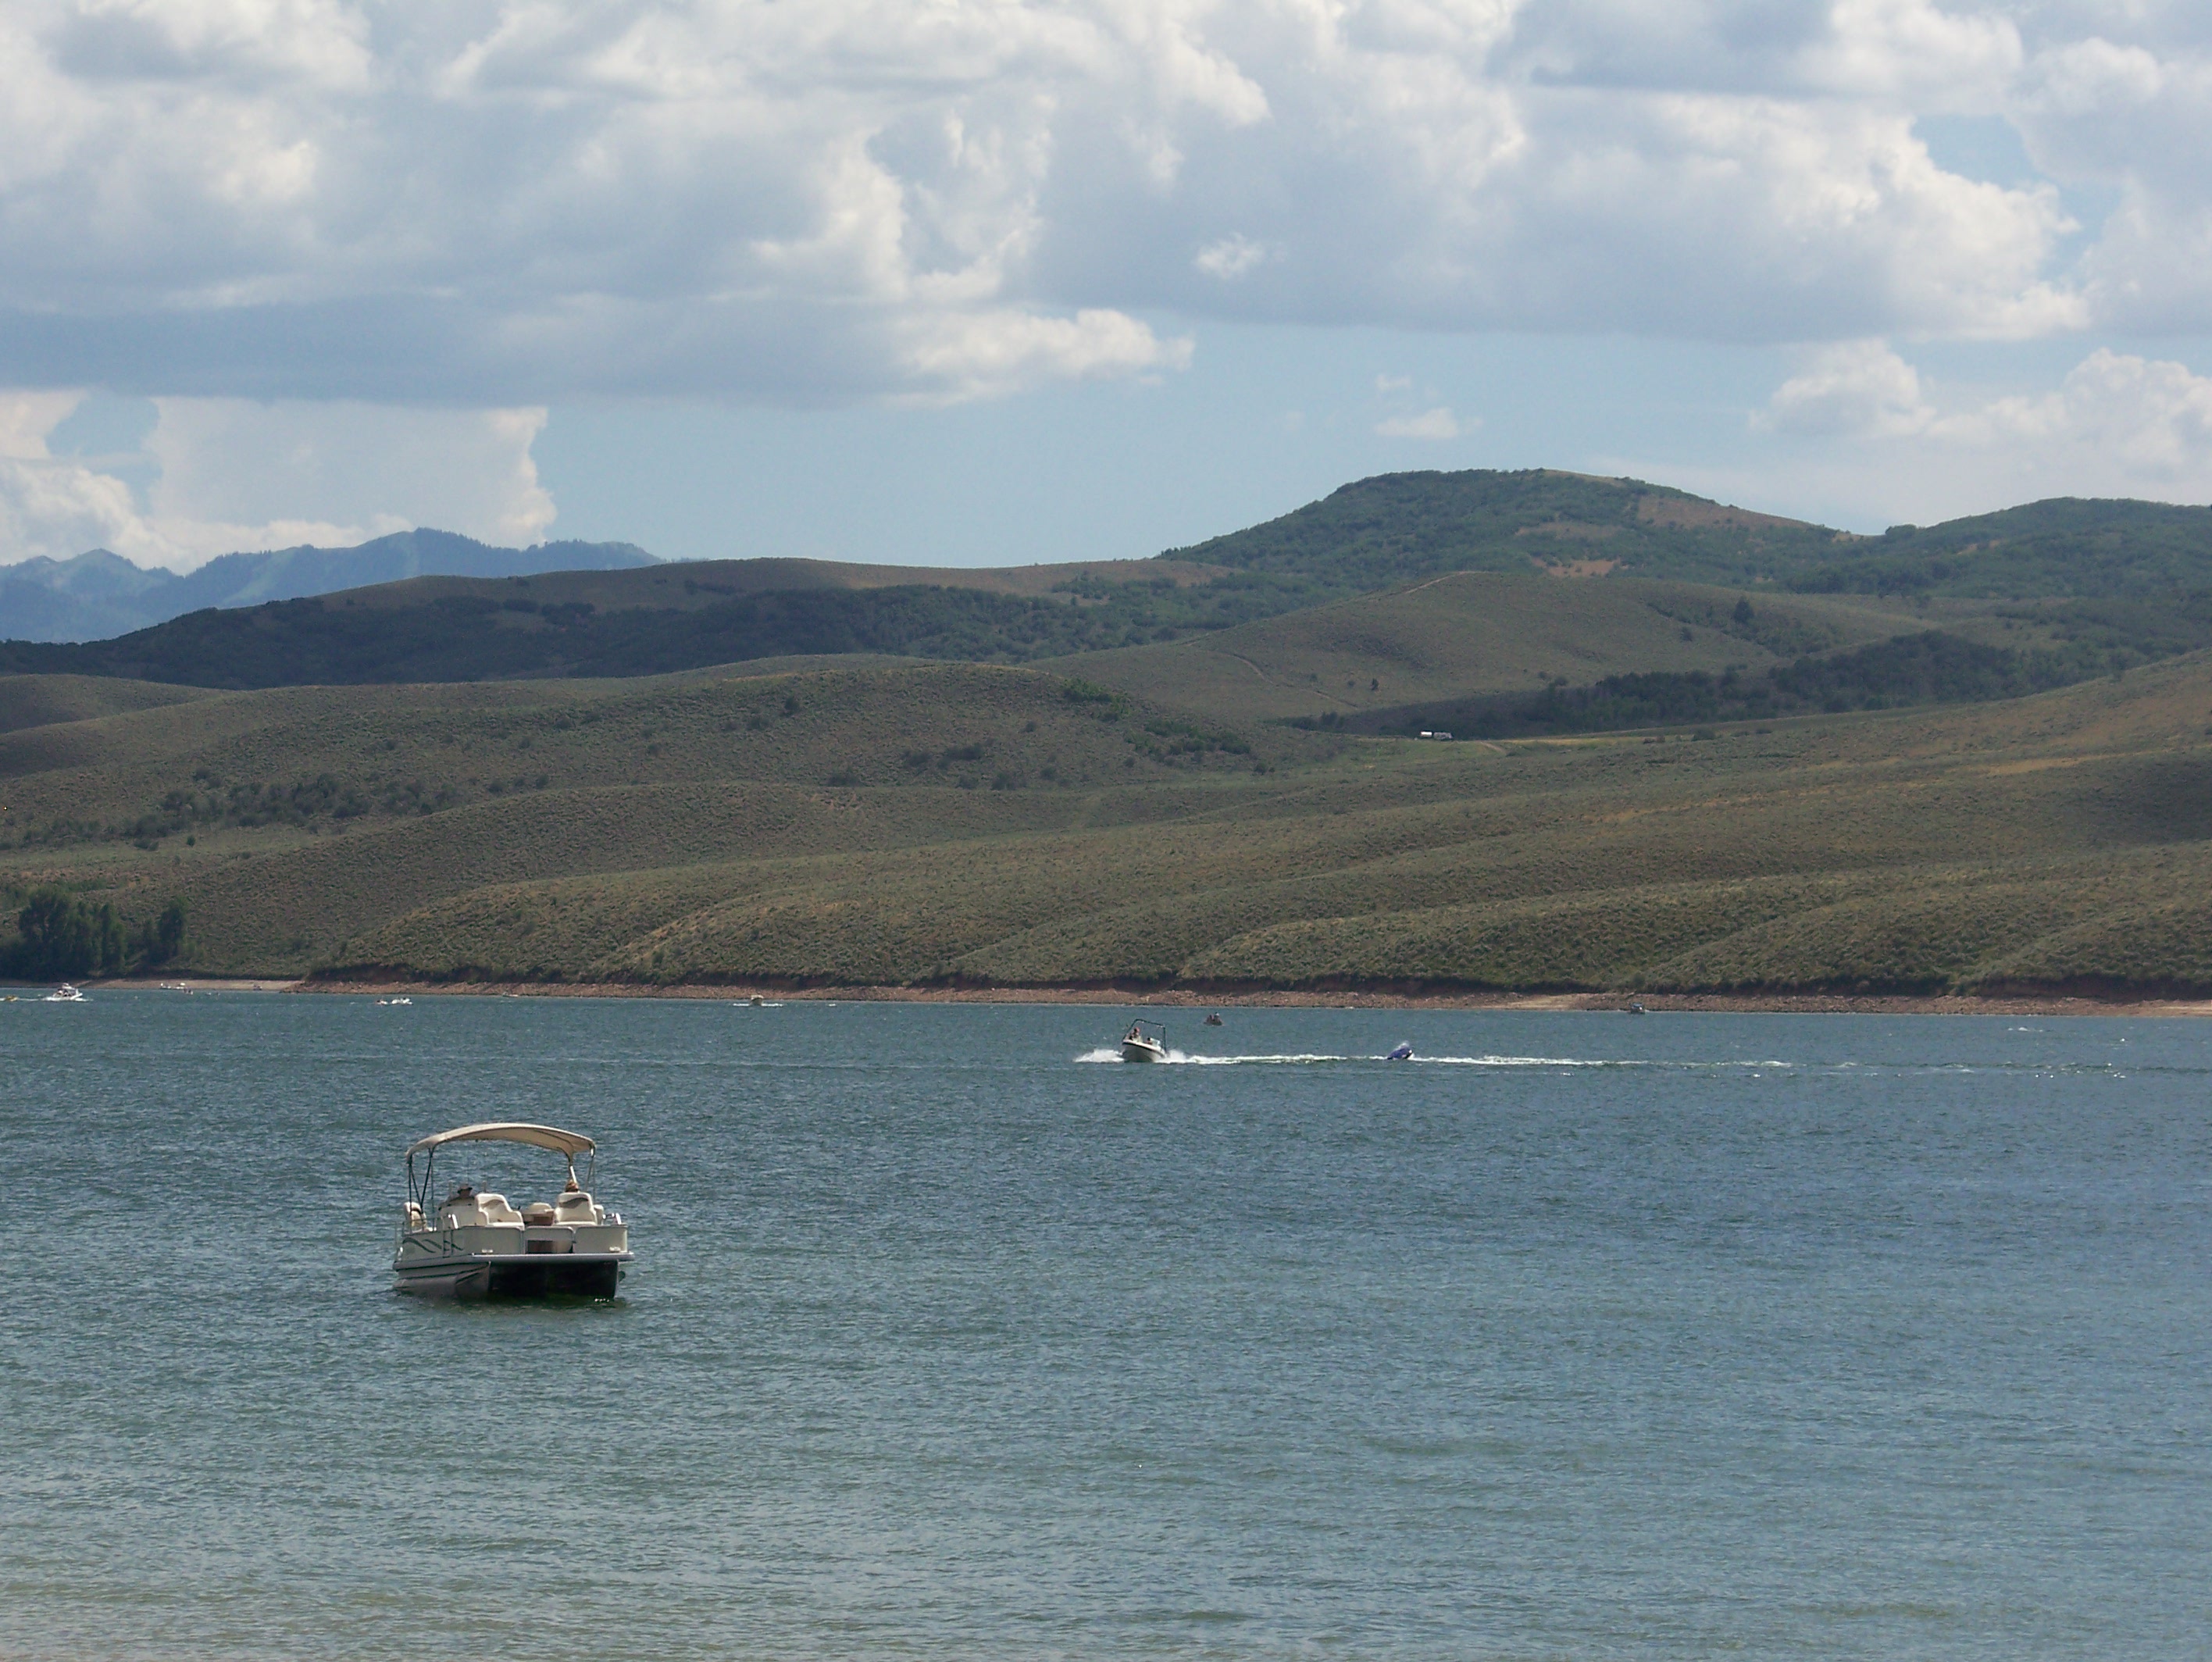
99,594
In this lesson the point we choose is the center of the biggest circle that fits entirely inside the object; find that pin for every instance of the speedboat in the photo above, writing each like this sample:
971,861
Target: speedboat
476,1245
1403,1053
64,994
1213,1020
1146,1041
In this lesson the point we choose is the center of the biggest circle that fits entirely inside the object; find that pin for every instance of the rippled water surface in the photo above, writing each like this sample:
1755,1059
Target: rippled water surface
1577,1336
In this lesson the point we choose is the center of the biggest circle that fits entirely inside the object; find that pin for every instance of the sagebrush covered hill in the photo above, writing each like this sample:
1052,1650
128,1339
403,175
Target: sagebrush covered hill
1005,827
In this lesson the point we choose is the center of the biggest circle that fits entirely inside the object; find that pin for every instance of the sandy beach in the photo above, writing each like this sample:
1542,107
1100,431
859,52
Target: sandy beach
1655,1004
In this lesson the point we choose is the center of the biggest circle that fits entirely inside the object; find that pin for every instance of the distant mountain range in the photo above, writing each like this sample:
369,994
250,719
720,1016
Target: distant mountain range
99,594
2043,594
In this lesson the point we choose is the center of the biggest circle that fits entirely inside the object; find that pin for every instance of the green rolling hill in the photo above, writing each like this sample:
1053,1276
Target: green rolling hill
1718,751
2133,579
1399,528
1402,527
1474,633
1002,826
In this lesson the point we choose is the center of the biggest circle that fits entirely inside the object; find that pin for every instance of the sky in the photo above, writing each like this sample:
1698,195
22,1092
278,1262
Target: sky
980,282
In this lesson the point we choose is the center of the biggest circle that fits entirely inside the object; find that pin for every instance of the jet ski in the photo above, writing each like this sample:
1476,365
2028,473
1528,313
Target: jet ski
1403,1053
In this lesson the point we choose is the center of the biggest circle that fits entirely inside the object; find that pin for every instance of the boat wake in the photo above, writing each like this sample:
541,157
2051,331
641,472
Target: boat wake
1112,1053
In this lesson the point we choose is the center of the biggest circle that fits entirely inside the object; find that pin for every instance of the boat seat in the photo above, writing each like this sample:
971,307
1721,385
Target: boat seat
496,1211
537,1215
577,1207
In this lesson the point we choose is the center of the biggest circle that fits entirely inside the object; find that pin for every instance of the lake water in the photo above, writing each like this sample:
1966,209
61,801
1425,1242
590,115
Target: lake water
1675,1337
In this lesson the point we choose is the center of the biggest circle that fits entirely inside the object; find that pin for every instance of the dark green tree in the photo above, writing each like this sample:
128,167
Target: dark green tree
168,934
62,937
57,935
111,947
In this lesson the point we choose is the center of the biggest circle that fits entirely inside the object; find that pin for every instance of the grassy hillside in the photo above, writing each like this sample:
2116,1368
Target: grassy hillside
662,619
2066,547
42,700
339,759
2127,582
1471,635
1400,527
2054,840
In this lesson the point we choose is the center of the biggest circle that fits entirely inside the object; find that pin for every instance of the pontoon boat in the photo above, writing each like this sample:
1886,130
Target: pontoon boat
478,1246
1138,1045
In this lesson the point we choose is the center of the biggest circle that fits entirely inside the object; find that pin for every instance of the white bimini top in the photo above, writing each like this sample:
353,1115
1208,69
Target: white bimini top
570,1144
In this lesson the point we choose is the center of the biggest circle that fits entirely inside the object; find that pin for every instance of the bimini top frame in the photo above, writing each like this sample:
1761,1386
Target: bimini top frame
568,1145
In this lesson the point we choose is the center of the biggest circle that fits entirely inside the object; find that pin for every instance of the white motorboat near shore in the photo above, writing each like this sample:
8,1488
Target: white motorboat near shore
64,994
477,1246
1146,1041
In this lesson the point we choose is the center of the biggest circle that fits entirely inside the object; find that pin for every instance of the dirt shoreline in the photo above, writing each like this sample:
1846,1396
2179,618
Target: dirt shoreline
1184,998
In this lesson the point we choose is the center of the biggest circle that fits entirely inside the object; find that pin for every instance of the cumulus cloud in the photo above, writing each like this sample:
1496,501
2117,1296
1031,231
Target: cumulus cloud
1856,389
501,204
2116,425
238,475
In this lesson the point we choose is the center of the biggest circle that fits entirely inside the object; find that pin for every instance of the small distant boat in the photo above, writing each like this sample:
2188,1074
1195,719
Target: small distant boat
480,1246
1636,1010
1403,1053
388,1002
1146,1041
64,994
1213,1020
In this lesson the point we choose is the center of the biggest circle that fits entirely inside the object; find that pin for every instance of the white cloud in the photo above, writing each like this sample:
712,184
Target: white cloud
1858,389
976,354
1888,444
499,204
1232,257
1438,423
239,474
2116,425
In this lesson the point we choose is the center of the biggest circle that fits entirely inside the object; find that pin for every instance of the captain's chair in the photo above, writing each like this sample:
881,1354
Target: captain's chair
498,1211
574,1206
